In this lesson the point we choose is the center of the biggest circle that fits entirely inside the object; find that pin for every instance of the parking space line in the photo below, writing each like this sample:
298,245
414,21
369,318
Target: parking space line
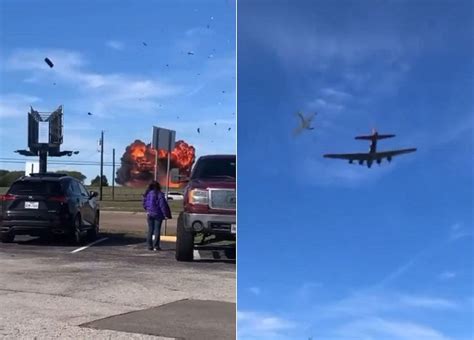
196,254
89,245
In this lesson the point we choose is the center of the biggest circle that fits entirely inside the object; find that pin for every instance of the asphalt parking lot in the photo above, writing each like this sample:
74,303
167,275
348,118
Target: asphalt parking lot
114,289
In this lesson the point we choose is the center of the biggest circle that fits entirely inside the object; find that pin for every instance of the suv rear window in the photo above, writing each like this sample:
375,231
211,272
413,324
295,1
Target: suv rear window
215,168
35,188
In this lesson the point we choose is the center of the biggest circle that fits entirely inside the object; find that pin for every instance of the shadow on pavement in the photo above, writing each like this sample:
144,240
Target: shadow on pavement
113,239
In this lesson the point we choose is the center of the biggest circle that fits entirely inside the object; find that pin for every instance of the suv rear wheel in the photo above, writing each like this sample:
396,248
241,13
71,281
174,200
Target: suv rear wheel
184,242
93,233
76,233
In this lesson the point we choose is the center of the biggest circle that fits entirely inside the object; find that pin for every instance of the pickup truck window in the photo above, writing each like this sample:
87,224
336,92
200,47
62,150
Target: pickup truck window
221,168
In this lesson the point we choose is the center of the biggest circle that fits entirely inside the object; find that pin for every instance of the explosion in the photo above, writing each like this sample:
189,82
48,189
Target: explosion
138,163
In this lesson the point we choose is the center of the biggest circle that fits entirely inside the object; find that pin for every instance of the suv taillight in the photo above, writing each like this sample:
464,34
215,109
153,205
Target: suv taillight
198,196
61,199
7,197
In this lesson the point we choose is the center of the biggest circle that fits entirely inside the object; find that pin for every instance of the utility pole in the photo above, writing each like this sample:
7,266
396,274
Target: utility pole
113,174
101,161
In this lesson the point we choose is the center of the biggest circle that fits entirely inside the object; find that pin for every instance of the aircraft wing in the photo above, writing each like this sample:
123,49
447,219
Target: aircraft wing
349,156
368,156
386,154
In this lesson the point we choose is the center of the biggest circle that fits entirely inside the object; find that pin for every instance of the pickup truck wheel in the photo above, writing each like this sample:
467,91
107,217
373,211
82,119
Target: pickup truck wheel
230,253
184,243
7,238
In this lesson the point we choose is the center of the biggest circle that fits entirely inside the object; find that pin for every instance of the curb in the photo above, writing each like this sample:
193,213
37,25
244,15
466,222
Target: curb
168,238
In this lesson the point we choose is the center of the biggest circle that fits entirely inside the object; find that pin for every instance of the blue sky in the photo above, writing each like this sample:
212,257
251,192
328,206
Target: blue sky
102,67
338,251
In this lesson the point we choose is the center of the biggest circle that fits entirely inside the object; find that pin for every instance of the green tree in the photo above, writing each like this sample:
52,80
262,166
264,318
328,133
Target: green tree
76,174
96,181
9,177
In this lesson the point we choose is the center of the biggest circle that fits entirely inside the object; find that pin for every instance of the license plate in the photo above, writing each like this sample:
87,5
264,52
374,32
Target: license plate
31,205
233,228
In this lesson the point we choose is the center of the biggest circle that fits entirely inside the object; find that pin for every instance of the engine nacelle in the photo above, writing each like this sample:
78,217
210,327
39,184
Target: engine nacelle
361,161
389,158
379,160
351,161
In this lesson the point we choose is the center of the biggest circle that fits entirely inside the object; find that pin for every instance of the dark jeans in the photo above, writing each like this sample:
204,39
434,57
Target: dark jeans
154,228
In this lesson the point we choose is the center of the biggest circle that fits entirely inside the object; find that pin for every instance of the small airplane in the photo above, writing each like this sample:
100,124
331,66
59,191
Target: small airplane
372,155
305,122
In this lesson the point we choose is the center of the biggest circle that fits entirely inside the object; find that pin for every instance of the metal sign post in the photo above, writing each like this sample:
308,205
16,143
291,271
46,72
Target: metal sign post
163,139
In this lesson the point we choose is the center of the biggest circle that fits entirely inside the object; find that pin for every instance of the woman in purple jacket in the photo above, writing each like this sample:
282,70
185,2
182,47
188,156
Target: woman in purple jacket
154,202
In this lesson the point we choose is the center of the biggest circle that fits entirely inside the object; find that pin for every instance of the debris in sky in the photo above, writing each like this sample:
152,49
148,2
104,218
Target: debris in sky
54,83
208,26
228,129
199,74
144,44
190,53
198,130
49,62
215,123
167,65
90,114
223,91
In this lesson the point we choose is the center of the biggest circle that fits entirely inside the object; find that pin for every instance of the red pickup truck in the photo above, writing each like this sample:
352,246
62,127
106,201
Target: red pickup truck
209,207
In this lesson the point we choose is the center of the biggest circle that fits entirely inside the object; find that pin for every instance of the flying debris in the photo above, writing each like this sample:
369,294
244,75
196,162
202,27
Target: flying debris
215,123
228,129
144,44
372,155
208,26
199,74
198,130
54,83
167,65
223,91
90,114
49,62
190,53
305,123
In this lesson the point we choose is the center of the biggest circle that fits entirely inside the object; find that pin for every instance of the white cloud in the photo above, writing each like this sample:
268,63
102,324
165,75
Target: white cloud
373,303
262,325
379,328
306,290
458,231
115,44
447,275
427,302
335,94
16,104
105,94
255,290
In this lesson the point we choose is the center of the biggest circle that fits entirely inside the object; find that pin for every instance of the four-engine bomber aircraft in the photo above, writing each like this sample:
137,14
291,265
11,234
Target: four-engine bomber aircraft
372,155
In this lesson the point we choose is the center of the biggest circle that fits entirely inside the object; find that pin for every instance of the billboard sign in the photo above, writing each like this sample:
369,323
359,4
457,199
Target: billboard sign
163,139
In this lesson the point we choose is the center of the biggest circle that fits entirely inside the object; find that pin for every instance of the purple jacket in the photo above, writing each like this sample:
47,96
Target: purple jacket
155,204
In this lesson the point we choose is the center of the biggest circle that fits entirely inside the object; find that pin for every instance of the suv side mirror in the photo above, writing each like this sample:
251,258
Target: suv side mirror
93,194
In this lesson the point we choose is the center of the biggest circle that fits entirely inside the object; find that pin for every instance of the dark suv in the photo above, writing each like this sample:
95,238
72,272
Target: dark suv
209,206
49,204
